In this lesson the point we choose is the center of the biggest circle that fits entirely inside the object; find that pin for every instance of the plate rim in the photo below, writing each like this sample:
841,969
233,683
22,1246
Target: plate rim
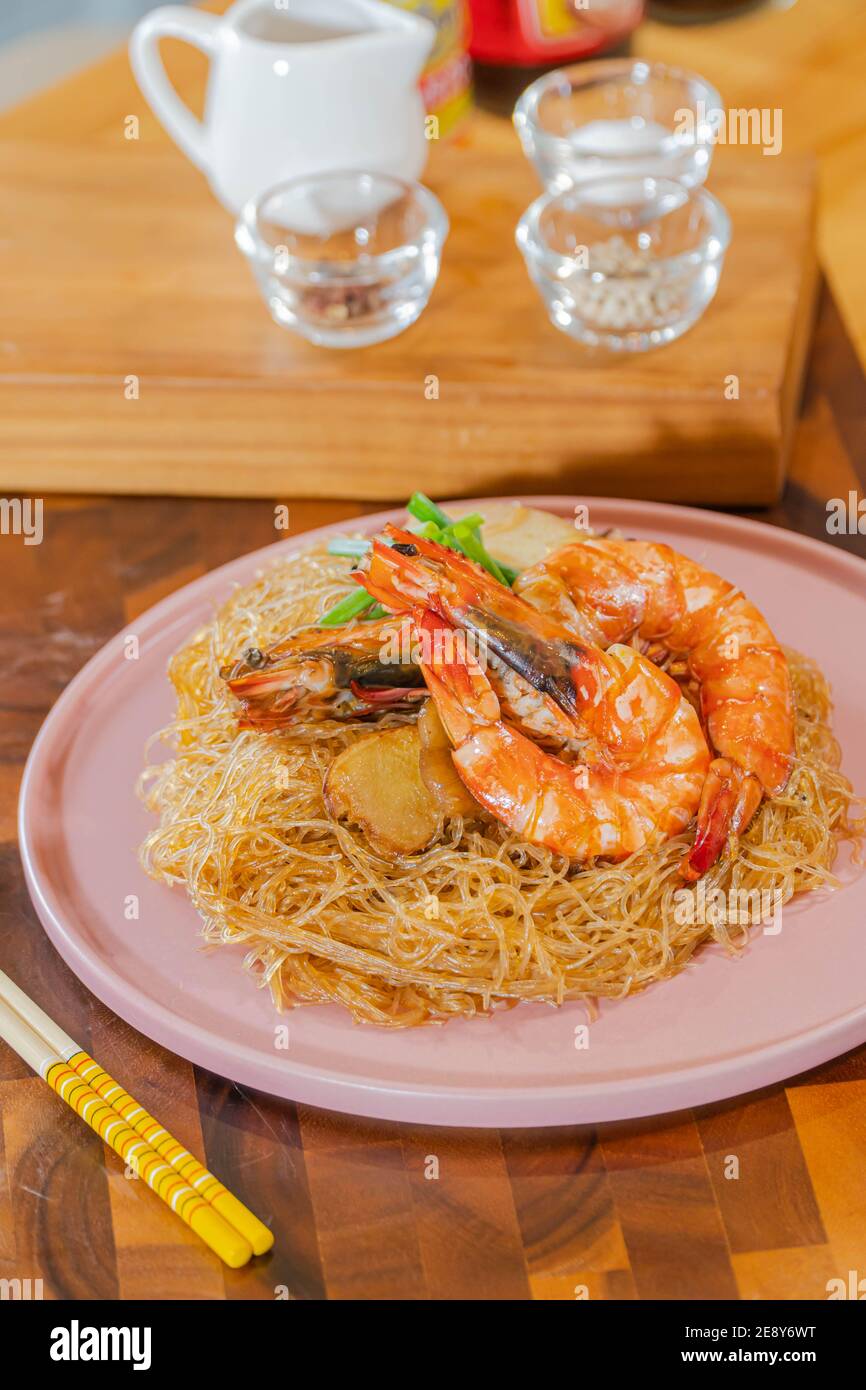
425,1102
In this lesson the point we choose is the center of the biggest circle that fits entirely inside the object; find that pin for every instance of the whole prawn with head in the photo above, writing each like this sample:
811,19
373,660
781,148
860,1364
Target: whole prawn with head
633,758
324,673
705,630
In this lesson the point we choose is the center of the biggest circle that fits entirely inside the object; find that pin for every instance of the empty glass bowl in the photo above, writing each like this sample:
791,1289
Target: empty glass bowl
345,259
625,264
618,116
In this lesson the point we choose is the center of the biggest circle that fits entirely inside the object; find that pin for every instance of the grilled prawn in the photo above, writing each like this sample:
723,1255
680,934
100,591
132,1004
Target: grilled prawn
365,670
584,810
643,756
610,591
324,673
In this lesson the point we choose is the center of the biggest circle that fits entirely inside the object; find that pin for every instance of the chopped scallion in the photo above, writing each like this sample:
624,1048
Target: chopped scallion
426,510
348,545
349,607
462,535
471,546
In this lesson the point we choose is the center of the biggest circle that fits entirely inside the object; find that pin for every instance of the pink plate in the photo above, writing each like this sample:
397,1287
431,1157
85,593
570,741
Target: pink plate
720,1028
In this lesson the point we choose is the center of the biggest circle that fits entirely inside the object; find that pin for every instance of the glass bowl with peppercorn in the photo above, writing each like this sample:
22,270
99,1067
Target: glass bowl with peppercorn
346,259
625,264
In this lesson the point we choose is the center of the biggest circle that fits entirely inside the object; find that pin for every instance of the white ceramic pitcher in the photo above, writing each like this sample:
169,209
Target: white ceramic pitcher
296,87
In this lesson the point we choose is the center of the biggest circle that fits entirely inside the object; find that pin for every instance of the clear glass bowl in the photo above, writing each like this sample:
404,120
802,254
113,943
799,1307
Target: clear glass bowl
618,116
345,259
625,264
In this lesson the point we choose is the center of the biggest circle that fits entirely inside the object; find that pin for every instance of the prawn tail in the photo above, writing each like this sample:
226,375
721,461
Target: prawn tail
729,799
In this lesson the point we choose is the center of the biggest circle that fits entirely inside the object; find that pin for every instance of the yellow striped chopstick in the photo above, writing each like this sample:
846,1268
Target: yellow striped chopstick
170,1170
235,1213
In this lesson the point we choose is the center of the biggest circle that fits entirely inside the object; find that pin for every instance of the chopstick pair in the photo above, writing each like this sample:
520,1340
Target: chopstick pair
194,1194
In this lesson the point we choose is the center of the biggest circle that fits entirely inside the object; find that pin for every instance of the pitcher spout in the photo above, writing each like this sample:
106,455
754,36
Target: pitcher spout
408,38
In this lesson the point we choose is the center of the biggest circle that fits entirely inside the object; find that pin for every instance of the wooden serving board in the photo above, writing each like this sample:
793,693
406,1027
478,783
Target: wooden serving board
117,263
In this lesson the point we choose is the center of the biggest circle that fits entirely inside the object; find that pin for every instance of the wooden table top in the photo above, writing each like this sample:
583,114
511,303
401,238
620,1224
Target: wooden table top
806,60
628,1210
624,1210
228,404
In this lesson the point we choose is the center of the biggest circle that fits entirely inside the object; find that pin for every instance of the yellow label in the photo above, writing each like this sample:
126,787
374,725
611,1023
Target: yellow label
557,18
446,84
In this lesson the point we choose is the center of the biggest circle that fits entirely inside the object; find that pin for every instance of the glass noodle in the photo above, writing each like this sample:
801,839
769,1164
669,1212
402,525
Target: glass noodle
478,920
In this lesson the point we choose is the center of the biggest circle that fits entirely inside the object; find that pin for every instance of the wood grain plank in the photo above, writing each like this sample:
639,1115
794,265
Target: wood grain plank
844,199
564,1203
362,1200
831,1127
32,962
661,1191
838,374
589,1285
233,528
254,1143
466,443
60,605
820,461
799,1273
61,1210
7,1218
155,559
226,403
764,1195
468,1231
659,1211
10,782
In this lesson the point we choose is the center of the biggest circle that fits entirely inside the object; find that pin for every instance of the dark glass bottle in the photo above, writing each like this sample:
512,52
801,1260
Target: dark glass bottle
700,11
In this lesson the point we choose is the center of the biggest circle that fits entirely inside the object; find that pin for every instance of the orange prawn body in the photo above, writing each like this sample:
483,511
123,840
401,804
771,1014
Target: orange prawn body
644,759
583,811
608,591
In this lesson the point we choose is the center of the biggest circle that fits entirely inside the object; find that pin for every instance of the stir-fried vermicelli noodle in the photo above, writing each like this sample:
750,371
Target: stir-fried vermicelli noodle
480,918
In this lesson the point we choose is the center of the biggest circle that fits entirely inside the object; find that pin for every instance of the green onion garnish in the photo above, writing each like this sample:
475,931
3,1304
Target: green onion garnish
434,525
348,545
474,521
471,546
431,532
349,607
459,535
426,510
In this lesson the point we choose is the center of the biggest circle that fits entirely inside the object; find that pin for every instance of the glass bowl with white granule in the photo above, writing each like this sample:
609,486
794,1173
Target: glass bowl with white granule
626,264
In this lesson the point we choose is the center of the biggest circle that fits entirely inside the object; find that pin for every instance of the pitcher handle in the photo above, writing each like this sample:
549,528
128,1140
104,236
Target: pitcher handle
172,22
